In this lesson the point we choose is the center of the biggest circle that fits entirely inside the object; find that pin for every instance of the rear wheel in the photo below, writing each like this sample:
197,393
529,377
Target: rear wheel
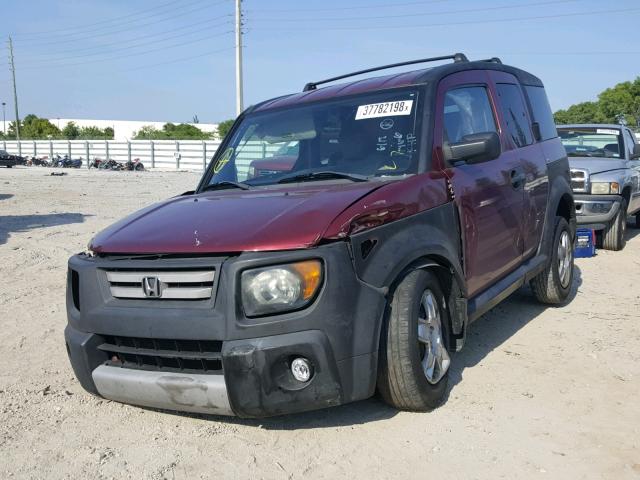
415,360
613,236
553,284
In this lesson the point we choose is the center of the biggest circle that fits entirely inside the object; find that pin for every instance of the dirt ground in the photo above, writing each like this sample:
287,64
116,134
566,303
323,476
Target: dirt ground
537,392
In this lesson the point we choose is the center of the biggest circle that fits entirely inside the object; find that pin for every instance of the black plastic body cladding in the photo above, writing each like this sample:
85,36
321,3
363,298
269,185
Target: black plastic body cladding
338,331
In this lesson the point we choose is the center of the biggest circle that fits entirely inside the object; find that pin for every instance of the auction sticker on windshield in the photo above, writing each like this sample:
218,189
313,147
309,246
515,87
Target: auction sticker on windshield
385,109
608,131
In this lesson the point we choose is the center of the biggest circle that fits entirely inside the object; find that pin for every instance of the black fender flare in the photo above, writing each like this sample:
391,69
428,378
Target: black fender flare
559,189
384,255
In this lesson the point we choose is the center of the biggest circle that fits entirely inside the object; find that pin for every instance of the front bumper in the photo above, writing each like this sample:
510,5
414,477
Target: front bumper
596,211
338,333
173,391
255,381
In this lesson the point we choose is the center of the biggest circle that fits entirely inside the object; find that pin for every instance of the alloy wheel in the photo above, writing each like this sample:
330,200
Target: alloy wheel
435,358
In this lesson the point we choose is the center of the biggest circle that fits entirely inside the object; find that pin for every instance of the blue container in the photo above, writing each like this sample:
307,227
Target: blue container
585,243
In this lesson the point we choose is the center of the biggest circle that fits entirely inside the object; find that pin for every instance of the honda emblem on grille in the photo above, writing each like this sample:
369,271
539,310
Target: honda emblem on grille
151,287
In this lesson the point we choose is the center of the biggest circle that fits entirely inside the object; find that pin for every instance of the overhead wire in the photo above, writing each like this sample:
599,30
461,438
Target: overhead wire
125,48
118,57
120,40
91,27
416,14
94,35
450,23
354,7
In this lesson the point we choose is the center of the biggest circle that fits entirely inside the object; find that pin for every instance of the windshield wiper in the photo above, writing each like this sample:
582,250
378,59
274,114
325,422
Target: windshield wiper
226,184
322,175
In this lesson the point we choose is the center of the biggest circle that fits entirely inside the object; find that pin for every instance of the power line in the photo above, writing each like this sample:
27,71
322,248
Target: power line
131,54
109,20
178,60
416,14
448,24
359,7
93,35
126,48
91,28
121,41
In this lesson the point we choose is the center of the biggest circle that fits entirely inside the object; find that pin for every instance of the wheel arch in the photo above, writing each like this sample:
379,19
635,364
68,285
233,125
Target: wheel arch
626,193
452,286
385,255
566,208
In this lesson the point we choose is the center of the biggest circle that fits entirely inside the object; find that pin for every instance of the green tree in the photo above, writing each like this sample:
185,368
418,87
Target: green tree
184,131
585,112
34,128
109,133
92,133
621,100
170,131
147,132
71,131
224,128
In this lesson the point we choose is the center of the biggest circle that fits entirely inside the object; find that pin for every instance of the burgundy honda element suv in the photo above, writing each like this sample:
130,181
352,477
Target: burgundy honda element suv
416,202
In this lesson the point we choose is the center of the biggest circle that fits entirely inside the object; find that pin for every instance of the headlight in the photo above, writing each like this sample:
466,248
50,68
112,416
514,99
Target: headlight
280,288
605,188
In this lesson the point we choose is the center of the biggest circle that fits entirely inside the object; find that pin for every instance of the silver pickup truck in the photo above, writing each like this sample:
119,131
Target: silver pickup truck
605,177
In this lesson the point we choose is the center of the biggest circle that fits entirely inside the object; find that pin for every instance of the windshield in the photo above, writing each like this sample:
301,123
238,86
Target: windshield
374,135
592,142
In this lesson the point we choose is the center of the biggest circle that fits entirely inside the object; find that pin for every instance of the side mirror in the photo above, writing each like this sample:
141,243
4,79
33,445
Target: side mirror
474,148
636,152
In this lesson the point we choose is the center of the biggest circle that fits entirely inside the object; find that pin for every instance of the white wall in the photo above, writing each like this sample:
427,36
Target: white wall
124,129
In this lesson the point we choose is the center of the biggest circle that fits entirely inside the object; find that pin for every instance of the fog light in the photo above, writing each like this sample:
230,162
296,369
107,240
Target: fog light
301,369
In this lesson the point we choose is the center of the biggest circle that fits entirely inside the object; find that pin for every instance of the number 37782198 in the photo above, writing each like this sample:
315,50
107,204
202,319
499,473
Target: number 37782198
385,109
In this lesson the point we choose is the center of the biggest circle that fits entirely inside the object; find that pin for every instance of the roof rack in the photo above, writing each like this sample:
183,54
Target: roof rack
456,57
492,60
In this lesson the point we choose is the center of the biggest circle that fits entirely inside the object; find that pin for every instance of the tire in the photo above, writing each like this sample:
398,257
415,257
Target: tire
613,236
553,285
637,220
402,381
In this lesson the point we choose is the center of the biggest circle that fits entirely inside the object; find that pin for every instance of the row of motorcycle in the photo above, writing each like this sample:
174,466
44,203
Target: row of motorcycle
99,163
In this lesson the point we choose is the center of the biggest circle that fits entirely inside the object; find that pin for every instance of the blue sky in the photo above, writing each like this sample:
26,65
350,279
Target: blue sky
169,60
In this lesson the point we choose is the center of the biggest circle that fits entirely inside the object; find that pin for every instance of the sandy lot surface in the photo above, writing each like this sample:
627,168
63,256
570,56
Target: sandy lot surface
537,393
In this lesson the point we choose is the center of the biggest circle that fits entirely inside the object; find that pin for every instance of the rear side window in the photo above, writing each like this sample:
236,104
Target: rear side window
466,111
515,114
541,111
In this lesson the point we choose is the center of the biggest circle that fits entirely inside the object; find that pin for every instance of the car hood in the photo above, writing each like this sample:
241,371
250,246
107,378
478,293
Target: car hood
597,165
227,221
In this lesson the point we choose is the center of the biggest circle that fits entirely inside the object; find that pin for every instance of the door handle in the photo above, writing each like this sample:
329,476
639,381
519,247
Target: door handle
517,178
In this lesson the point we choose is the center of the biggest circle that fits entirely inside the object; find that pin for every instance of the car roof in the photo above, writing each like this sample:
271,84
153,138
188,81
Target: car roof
591,125
405,79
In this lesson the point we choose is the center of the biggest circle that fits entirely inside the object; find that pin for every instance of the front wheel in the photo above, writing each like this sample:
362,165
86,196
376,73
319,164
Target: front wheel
414,354
553,284
613,236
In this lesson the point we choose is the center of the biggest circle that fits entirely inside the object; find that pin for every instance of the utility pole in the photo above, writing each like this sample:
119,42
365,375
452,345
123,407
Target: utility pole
239,106
4,119
15,91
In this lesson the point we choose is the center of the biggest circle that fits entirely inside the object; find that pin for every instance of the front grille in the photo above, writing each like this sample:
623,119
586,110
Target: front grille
196,356
161,285
579,180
